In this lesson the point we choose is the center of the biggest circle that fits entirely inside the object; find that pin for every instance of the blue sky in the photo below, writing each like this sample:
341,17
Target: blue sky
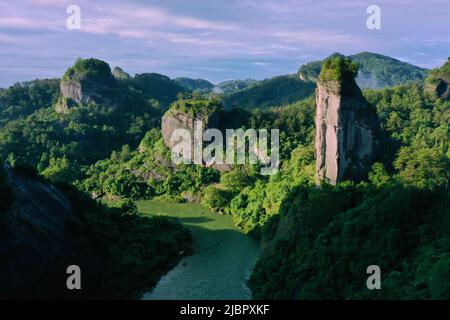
214,39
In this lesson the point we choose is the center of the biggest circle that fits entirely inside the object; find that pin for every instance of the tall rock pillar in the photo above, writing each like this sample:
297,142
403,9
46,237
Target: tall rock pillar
346,125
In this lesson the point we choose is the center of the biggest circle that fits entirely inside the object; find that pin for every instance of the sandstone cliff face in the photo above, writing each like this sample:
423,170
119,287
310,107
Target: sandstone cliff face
177,119
74,93
346,133
89,81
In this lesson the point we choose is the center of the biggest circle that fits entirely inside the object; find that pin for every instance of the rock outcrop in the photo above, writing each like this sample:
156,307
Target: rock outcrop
36,236
346,126
184,115
89,81
438,82
119,74
176,119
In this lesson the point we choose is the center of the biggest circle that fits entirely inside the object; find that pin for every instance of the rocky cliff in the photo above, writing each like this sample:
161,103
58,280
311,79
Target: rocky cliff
438,82
176,119
184,114
89,81
35,237
119,74
346,126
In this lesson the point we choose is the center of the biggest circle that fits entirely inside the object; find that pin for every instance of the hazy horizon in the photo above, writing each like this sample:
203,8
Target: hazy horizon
213,40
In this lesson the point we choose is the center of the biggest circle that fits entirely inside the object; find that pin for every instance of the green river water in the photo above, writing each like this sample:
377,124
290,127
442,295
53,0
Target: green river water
222,261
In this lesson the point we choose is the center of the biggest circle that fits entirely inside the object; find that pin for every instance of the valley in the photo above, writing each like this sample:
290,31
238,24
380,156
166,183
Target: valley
222,258
362,180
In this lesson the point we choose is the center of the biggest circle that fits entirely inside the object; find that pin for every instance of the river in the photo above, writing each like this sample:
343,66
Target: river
222,260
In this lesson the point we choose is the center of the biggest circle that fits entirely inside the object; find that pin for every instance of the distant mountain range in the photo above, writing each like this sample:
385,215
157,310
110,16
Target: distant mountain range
227,87
195,84
376,71
275,91
232,86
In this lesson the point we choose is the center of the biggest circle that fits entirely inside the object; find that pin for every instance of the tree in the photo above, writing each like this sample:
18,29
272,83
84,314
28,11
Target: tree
60,169
214,198
379,176
423,168
236,180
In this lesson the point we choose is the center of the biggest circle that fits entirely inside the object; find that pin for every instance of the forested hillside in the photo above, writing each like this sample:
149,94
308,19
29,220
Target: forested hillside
121,253
272,92
376,71
317,242
195,84
22,99
58,143
232,86
322,241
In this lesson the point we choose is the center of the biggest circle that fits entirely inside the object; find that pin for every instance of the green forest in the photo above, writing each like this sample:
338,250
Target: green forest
316,241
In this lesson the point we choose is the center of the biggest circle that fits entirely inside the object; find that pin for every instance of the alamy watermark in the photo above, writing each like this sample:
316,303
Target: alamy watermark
74,279
73,21
374,280
374,20
241,147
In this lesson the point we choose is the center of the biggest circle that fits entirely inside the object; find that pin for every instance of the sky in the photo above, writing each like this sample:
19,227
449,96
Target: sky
215,40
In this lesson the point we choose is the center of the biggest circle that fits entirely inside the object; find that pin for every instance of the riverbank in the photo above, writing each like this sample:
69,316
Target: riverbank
222,259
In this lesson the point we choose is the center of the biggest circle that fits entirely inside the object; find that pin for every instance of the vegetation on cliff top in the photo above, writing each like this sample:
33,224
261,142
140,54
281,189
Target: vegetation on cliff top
90,66
87,68
197,105
340,70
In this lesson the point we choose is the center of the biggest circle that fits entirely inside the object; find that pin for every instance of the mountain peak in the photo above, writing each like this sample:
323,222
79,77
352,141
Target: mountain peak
375,70
119,74
88,68
88,81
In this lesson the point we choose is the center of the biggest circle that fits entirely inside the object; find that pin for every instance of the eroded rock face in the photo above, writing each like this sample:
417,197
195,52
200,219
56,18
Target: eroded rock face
74,93
346,133
118,73
89,81
35,235
177,119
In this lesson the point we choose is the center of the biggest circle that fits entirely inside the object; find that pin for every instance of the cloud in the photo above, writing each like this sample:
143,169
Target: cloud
4,38
52,2
433,41
142,22
213,39
316,37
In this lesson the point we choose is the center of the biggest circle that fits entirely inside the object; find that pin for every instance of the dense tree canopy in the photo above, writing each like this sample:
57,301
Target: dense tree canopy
318,241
